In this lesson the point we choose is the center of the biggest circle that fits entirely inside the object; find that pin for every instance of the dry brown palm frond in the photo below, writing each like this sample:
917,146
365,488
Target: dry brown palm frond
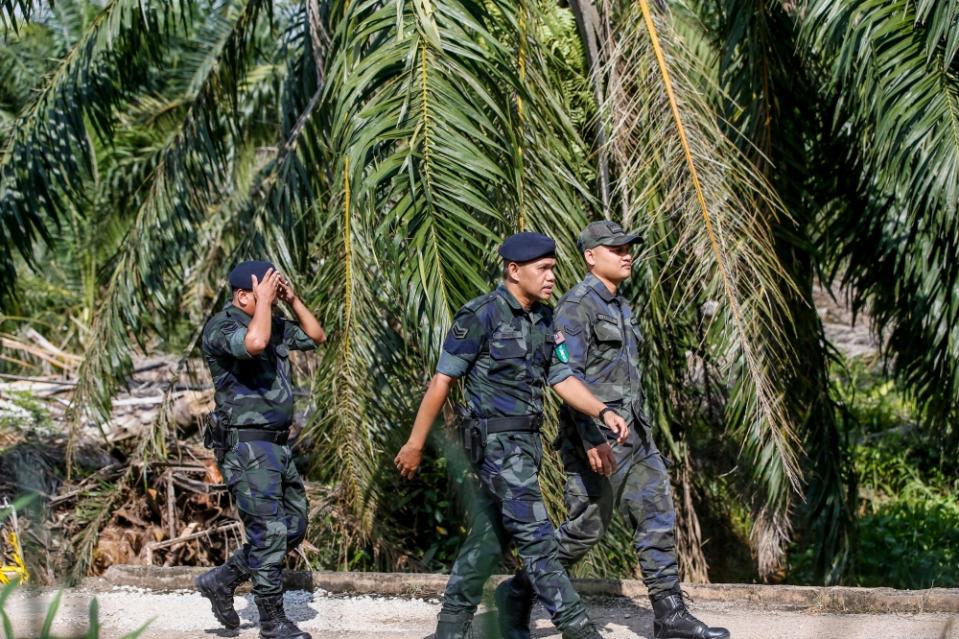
701,205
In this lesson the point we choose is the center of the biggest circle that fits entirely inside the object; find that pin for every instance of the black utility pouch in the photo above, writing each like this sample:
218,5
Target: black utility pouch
473,438
478,443
214,435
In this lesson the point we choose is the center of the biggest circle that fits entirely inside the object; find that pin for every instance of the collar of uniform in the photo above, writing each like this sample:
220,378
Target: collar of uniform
594,282
535,311
235,313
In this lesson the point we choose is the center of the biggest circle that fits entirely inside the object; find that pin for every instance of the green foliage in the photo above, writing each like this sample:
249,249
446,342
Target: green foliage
911,541
938,19
894,240
421,527
434,513
378,151
907,523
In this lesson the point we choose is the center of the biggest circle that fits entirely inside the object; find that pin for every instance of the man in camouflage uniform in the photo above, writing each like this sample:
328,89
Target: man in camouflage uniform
598,337
247,348
501,343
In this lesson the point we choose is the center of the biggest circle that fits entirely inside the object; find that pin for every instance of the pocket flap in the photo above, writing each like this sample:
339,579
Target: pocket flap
507,345
607,332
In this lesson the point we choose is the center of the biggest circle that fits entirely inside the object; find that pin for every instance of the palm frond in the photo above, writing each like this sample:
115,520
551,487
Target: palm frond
25,59
772,109
900,113
147,276
378,99
699,199
47,159
430,132
235,226
940,19
548,151
352,359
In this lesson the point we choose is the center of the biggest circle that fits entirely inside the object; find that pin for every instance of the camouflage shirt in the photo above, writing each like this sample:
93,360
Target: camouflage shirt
603,340
504,352
252,391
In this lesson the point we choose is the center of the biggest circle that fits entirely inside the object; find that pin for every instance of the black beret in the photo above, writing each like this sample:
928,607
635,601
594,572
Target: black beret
242,274
524,247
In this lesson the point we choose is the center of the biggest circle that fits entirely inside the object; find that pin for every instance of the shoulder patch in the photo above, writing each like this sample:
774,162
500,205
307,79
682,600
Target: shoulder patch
561,349
459,332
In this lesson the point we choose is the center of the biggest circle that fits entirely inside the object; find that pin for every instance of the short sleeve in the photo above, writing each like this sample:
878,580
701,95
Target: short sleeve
225,337
571,326
463,344
296,338
570,329
558,368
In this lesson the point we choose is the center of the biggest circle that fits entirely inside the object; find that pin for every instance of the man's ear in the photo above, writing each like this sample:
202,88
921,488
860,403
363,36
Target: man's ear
512,268
589,257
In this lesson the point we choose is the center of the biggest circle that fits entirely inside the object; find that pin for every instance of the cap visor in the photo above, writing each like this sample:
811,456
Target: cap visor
621,240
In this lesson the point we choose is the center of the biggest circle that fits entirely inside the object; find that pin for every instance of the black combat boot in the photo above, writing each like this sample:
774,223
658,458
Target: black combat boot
514,601
671,620
582,628
454,626
218,586
273,621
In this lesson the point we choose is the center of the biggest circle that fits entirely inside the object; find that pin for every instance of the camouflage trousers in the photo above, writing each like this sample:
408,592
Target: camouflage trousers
508,506
272,503
640,490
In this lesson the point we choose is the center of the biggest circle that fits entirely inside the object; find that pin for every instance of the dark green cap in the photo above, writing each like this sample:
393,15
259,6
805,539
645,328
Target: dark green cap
604,233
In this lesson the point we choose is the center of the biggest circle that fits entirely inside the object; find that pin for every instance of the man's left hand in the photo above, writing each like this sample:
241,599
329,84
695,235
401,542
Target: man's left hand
618,425
285,291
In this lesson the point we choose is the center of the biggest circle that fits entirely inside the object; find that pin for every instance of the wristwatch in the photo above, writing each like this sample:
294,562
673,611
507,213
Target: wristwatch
605,410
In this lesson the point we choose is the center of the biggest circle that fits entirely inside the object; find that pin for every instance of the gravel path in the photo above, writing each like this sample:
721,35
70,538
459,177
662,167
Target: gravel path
184,614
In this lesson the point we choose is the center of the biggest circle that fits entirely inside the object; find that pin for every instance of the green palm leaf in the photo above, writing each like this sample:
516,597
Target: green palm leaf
184,187
45,162
424,128
900,112
940,19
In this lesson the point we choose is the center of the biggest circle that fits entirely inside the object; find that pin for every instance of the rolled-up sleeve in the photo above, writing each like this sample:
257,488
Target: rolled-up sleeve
569,328
558,371
296,338
463,344
572,326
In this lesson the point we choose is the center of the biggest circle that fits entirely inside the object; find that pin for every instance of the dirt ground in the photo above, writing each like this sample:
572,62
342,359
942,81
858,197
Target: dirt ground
184,614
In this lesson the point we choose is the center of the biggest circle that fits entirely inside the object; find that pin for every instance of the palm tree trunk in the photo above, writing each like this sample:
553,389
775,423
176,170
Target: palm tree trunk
590,30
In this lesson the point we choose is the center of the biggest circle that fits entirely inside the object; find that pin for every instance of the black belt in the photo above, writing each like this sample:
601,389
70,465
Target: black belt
518,424
278,437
